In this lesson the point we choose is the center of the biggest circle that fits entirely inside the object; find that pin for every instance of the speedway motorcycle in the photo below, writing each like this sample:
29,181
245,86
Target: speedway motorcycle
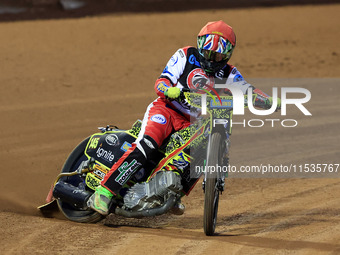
203,145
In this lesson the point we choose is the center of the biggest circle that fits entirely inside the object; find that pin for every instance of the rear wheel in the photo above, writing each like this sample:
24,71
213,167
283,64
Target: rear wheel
211,191
72,163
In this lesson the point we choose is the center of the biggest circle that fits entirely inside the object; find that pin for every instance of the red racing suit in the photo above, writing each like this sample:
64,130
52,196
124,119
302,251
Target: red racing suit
164,117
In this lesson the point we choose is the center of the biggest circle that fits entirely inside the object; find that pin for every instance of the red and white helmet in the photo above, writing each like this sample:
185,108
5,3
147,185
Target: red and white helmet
215,43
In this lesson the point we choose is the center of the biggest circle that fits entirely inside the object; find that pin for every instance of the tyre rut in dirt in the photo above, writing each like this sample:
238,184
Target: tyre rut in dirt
211,193
71,164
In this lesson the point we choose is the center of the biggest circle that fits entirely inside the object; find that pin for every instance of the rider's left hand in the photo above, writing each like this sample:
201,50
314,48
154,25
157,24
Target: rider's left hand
173,93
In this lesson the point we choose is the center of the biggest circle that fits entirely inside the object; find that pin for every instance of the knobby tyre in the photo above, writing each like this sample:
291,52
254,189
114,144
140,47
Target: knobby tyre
211,193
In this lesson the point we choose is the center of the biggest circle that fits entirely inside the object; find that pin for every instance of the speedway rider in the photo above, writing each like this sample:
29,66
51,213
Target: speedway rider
168,113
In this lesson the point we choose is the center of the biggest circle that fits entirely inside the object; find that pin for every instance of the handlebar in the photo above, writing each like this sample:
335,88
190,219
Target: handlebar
257,101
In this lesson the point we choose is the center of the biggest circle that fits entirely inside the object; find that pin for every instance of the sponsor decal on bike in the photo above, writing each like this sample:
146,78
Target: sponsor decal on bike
112,139
94,143
126,170
100,171
158,118
92,181
104,154
125,146
178,163
181,161
226,103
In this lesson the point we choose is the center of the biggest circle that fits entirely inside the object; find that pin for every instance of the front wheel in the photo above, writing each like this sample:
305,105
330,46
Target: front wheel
211,191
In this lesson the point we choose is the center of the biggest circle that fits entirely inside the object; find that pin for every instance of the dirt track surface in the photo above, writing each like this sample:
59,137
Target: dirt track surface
61,79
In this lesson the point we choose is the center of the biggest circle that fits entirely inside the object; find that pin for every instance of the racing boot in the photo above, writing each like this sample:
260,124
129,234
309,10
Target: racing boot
100,200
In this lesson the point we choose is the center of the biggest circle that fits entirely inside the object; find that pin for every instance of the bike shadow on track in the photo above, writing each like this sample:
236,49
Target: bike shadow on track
157,222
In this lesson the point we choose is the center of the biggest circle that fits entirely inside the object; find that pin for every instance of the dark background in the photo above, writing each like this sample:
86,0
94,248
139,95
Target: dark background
52,9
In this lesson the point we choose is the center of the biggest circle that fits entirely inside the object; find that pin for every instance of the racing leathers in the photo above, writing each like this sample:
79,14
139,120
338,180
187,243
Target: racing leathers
164,117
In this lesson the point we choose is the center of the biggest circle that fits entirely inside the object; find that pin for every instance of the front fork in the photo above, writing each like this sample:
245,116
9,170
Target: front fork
220,184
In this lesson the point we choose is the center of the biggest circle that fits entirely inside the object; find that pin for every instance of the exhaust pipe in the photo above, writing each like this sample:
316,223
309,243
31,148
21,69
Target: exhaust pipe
70,194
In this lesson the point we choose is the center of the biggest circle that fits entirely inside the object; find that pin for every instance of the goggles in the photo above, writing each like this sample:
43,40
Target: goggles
214,56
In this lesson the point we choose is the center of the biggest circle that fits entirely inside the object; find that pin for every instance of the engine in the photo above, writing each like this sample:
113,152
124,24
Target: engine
154,193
